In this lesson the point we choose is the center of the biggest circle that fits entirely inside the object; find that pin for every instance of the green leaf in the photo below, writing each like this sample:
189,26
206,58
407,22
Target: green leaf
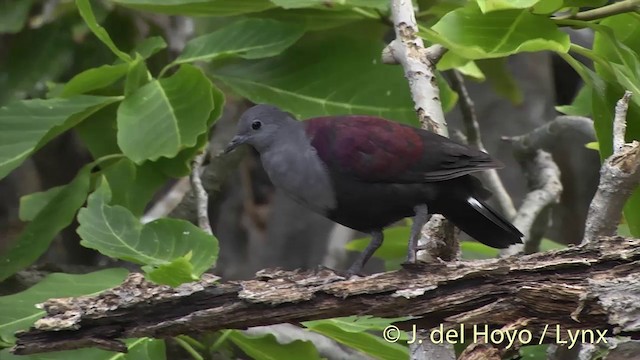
474,35
137,349
373,345
584,3
84,7
616,40
356,324
199,7
133,185
180,165
294,4
93,79
49,221
149,46
165,116
37,56
534,352
334,75
28,124
594,145
176,272
494,5
13,15
32,204
137,76
547,6
18,311
248,38
115,232
581,105
266,347
501,79
313,19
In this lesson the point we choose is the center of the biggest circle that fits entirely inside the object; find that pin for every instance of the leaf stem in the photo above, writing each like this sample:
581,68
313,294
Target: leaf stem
590,55
188,348
193,342
365,13
604,11
223,337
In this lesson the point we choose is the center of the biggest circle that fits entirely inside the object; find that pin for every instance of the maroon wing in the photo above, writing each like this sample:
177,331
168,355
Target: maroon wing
374,149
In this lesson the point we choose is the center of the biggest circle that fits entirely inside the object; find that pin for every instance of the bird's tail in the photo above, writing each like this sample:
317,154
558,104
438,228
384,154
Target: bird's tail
473,216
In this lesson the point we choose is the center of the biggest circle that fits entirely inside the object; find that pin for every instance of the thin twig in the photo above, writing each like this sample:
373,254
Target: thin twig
544,181
619,177
620,122
472,131
168,202
202,197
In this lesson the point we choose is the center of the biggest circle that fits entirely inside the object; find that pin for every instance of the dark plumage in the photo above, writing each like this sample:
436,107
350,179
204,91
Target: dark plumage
366,173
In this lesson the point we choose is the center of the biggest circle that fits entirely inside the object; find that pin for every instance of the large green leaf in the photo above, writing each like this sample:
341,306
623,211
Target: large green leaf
137,349
334,75
46,224
266,347
26,125
165,116
37,56
199,7
84,7
581,105
32,204
346,331
13,15
93,79
474,35
248,38
115,232
18,311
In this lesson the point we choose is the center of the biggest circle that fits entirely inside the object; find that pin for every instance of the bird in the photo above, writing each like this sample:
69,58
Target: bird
366,173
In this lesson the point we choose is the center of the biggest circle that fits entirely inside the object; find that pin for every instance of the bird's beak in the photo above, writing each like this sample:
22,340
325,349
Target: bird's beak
234,143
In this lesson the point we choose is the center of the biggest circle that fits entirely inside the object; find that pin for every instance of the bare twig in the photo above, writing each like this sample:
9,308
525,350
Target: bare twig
544,181
168,202
594,286
619,177
472,131
620,122
201,194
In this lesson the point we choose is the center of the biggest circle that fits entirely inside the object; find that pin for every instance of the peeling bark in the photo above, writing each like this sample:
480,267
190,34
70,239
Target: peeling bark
594,287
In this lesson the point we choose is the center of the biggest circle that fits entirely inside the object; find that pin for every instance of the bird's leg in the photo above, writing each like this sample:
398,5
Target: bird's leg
421,218
376,241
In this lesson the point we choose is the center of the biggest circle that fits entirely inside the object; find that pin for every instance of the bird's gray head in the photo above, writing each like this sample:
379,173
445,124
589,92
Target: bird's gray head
261,126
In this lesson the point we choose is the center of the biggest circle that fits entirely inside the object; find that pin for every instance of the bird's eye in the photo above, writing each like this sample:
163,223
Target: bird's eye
256,125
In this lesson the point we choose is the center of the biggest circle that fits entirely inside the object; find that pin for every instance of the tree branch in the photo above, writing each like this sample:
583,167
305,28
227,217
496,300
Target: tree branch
202,197
619,177
472,131
595,287
419,66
